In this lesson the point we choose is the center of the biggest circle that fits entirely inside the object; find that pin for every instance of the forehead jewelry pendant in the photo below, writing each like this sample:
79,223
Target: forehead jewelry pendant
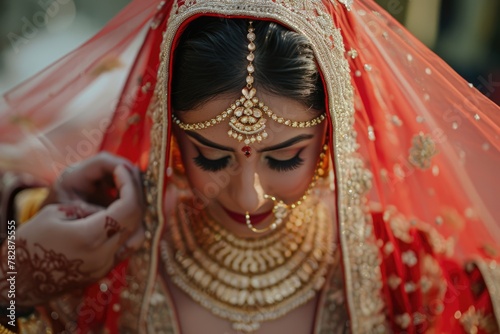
247,122
247,115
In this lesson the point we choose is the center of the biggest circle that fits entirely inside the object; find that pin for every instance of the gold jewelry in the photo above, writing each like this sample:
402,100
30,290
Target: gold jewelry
249,281
281,209
33,323
247,122
5,330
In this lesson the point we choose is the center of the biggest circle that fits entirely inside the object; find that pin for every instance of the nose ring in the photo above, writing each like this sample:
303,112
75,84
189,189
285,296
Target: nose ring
280,210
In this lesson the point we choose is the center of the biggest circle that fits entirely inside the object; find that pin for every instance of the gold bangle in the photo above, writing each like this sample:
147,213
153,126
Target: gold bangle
5,330
34,323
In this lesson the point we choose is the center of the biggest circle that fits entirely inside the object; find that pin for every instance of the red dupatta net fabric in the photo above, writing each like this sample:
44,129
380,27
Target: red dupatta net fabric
408,103
429,139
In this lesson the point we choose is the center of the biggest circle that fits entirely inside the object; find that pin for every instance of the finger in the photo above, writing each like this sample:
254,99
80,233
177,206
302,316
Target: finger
138,183
127,189
91,180
127,202
131,245
76,210
105,189
105,255
126,211
118,243
137,239
118,246
106,164
94,168
121,218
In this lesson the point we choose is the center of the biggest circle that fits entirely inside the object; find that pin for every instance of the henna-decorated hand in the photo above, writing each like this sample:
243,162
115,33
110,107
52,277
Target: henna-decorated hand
90,180
67,246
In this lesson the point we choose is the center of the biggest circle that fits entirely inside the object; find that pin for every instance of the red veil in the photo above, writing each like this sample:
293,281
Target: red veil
411,141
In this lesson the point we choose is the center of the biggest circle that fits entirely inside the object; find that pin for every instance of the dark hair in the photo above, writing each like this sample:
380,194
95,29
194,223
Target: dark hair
210,60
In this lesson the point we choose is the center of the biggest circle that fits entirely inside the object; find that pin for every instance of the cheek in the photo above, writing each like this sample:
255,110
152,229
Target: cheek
193,174
206,186
290,186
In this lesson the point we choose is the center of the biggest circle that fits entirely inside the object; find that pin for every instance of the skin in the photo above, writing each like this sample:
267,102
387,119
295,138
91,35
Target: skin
53,256
113,222
241,185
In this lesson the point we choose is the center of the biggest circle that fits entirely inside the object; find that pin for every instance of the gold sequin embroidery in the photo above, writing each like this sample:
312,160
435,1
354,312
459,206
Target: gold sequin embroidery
422,151
475,320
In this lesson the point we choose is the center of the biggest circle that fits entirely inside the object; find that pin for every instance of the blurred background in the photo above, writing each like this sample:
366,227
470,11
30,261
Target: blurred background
465,33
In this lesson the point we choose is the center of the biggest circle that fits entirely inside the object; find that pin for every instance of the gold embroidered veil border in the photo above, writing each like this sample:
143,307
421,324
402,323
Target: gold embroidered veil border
357,247
430,139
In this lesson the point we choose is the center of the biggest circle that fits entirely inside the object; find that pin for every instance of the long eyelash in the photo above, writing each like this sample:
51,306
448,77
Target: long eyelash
210,165
285,165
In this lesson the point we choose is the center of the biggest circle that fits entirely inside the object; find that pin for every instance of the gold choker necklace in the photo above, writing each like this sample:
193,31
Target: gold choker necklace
249,281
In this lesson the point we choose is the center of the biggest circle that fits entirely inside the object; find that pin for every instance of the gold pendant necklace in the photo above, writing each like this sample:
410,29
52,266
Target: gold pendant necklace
249,281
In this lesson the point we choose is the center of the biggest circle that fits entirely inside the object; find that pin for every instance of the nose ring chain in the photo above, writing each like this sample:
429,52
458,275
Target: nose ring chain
281,209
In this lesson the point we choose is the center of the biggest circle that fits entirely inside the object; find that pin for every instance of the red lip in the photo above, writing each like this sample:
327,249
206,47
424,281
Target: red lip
241,218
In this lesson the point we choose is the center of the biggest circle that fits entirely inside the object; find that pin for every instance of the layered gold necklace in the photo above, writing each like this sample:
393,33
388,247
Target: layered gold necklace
249,280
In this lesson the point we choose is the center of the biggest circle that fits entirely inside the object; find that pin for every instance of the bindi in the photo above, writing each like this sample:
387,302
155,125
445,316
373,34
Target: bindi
247,151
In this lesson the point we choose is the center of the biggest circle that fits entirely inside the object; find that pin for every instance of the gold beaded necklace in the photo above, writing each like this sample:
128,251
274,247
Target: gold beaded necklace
249,281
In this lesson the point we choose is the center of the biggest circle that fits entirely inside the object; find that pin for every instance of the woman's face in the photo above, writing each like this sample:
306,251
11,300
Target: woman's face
231,183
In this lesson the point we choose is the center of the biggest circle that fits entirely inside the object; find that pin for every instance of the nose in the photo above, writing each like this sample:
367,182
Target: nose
248,192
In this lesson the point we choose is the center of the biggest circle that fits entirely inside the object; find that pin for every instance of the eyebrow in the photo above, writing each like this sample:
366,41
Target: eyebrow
279,146
207,142
287,143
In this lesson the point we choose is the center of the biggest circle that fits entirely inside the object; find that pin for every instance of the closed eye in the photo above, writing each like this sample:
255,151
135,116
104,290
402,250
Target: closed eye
285,165
210,165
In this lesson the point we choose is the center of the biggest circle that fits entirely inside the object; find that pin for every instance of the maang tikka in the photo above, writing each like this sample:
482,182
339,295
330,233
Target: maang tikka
247,122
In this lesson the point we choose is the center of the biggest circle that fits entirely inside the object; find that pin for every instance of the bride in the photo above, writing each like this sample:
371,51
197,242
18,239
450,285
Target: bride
287,166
